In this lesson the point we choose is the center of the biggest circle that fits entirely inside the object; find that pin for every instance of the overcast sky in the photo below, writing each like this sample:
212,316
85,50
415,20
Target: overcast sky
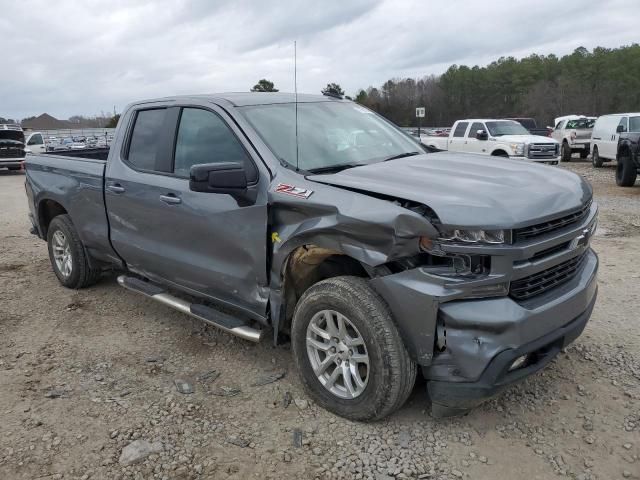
71,57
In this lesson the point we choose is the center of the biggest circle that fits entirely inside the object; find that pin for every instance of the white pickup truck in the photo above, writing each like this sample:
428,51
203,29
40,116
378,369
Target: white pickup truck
500,138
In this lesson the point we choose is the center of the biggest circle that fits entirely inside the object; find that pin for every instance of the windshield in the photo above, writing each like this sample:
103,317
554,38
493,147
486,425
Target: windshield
330,134
581,123
497,129
634,124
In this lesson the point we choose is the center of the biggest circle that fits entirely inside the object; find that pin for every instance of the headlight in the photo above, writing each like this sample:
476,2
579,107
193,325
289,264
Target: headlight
473,236
518,148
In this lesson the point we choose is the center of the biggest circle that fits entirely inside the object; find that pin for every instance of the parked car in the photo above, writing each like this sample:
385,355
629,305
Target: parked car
12,148
378,260
68,143
500,138
628,155
532,127
574,134
35,143
605,136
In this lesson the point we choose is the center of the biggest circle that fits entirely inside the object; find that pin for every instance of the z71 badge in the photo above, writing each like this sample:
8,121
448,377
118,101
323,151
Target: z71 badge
293,190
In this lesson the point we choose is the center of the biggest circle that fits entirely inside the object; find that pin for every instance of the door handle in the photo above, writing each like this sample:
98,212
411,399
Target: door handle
115,188
170,199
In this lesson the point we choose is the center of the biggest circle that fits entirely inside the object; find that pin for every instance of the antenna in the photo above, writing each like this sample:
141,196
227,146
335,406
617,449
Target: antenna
295,89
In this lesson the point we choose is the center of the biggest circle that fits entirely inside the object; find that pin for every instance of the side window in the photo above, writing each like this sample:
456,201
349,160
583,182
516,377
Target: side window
460,129
474,129
145,138
203,137
36,140
624,123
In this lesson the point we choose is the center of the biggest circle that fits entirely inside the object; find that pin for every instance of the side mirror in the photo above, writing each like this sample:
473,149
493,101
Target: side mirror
620,129
482,135
226,177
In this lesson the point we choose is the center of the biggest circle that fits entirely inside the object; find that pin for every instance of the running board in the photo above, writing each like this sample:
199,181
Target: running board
201,312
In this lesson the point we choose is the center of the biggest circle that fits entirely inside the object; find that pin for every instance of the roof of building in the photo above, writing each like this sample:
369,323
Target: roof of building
46,122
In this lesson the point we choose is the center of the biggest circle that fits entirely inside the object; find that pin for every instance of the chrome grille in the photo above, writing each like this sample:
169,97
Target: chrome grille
11,153
543,150
546,227
545,280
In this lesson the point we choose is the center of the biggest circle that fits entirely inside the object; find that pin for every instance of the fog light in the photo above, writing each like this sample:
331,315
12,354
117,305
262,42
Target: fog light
518,362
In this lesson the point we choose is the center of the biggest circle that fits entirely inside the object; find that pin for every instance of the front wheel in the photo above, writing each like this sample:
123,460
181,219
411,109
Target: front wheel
349,353
595,158
566,152
626,172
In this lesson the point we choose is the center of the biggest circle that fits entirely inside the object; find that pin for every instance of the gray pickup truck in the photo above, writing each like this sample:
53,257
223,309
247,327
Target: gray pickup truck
320,221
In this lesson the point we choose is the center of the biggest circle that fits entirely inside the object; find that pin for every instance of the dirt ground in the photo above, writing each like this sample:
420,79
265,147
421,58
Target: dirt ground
83,374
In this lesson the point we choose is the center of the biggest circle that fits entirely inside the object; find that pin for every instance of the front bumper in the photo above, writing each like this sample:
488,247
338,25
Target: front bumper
10,163
452,398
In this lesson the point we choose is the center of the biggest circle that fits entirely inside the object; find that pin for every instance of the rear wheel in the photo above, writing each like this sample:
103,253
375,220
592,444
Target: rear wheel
349,353
566,152
67,255
626,171
596,161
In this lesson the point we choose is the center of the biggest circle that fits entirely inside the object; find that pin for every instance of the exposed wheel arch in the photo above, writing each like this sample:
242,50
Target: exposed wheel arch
307,265
499,153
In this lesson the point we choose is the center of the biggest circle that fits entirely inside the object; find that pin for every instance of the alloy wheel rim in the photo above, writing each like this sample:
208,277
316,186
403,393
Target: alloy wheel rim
62,253
338,354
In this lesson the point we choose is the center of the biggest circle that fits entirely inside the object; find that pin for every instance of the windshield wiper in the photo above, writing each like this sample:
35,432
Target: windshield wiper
334,168
401,155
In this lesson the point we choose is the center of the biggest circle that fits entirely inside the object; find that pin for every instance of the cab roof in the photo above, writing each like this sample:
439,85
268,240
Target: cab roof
242,99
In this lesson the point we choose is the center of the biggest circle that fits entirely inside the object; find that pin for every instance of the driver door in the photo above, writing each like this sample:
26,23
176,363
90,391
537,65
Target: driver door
473,144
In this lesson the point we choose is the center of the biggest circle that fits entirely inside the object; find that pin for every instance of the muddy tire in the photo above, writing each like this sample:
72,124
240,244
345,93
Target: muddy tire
67,255
565,153
596,161
626,172
331,362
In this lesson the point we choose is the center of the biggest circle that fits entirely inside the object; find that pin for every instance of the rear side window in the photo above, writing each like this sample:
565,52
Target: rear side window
460,129
474,129
203,137
145,138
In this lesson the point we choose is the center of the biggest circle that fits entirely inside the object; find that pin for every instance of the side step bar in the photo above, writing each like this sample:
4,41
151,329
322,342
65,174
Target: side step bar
201,312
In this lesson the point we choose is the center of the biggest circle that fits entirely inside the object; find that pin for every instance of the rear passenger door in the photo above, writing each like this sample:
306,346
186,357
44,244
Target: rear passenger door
457,141
207,244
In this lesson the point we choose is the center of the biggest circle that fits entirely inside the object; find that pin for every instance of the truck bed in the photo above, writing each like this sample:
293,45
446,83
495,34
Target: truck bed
87,153
77,185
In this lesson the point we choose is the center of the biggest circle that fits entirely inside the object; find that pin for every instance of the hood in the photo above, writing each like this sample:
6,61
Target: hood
524,139
468,190
11,136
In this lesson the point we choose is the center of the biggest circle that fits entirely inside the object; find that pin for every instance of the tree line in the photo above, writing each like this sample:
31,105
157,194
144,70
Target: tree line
540,86
584,82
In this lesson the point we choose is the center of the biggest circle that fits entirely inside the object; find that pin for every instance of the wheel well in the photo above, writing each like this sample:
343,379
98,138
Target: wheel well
309,264
499,153
47,211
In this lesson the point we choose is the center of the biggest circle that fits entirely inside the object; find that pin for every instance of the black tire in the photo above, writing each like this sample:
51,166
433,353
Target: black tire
584,154
500,153
392,373
626,172
81,275
596,161
565,154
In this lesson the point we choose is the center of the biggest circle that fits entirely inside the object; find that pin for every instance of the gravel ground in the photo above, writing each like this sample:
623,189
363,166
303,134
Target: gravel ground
89,386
